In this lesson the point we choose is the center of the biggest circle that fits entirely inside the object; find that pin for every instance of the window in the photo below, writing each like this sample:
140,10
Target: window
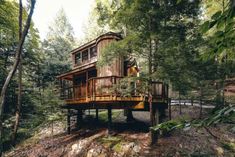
93,52
77,58
84,55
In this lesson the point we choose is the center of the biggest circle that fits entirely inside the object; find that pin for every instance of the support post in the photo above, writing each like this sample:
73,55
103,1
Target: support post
180,105
129,115
154,121
109,118
97,114
169,108
79,118
200,115
68,122
156,116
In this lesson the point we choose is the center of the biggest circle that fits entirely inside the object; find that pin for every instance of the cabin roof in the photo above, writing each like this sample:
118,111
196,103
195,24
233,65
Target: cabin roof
69,75
96,40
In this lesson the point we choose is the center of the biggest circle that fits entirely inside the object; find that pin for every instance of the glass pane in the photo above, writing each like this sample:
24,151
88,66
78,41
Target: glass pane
93,52
85,55
77,58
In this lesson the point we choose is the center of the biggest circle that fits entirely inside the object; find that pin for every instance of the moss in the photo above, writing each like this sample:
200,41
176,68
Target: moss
110,141
117,147
103,115
229,146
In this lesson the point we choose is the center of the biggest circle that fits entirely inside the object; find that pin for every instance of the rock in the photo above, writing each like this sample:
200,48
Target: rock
219,151
136,149
77,148
97,152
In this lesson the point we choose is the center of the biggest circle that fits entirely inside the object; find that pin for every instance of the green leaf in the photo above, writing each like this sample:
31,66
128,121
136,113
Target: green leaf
219,34
178,1
229,26
216,15
205,27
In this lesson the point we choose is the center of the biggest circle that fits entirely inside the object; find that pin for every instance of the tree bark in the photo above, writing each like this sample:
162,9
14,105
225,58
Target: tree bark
13,70
18,106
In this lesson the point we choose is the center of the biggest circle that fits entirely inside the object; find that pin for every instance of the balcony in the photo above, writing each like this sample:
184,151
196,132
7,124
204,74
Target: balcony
104,89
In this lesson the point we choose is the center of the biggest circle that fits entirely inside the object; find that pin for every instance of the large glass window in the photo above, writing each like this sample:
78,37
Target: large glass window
93,52
77,58
85,55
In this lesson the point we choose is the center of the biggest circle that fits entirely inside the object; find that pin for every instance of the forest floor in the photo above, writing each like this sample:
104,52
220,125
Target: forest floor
131,139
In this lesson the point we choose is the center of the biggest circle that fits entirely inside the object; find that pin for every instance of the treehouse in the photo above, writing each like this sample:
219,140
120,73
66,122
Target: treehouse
89,86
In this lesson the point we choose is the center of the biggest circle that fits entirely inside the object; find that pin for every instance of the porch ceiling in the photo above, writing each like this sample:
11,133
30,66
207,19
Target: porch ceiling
69,75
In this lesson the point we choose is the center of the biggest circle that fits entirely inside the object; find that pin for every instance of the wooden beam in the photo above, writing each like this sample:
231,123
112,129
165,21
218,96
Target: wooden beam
109,118
68,122
97,114
79,118
169,105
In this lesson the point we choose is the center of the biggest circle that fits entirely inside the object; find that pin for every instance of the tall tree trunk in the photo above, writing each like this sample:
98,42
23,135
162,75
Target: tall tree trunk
18,106
13,70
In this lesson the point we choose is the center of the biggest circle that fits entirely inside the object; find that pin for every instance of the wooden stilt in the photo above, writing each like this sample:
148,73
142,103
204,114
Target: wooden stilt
79,118
109,118
129,115
156,116
180,106
96,114
169,105
68,122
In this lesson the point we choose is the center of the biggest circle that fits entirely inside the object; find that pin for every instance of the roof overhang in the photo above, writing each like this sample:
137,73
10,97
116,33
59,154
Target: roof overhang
69,75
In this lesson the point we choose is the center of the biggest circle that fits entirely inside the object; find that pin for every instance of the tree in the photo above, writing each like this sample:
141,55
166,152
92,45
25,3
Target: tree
149,27
218,30
12,72
18,106
56,47
158,32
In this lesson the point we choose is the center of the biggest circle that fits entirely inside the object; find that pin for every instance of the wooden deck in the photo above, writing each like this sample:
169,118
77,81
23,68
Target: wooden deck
103,90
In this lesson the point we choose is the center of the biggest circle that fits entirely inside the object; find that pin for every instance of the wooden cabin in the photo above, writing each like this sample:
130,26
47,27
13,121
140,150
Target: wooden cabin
88,86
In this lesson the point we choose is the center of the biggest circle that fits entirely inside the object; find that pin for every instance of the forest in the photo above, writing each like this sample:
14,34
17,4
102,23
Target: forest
187,44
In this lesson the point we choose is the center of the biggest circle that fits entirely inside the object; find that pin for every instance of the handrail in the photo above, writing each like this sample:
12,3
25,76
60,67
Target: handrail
102,86
101,77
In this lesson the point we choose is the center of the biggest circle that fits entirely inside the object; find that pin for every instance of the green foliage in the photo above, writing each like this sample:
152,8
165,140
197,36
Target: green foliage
166,28
221,115
220,31
51,108
167,127
56,49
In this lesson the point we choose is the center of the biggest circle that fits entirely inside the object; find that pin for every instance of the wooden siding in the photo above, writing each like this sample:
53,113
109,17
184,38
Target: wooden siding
116,68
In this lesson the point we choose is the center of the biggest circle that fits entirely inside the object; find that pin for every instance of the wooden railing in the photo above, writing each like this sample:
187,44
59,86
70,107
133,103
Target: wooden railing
102,86
98,87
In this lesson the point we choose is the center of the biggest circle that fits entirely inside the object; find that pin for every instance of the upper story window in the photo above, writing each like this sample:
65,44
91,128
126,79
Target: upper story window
93,52
78,58
85,55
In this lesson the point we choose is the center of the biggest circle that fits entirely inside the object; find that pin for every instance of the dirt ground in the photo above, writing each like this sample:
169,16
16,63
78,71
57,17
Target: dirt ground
132,139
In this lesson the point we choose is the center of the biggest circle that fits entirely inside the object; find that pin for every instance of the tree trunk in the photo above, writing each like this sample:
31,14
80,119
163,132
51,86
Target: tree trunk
13,70
18,106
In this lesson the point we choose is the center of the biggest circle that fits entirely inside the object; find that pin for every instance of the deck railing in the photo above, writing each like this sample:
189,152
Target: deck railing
107,87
